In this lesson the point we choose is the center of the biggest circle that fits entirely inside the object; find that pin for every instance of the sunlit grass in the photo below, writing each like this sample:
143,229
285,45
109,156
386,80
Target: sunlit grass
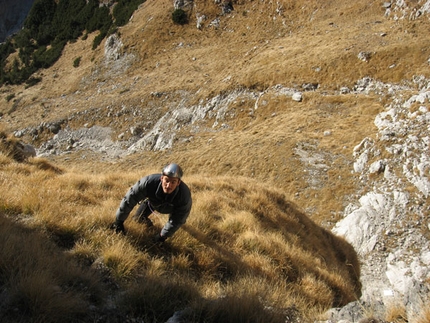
241,251
245,245
423,315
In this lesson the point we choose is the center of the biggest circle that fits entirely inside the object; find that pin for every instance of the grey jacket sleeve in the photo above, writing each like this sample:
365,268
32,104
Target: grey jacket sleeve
136,193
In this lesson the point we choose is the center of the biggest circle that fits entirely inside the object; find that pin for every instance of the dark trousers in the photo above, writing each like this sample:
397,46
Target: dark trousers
143,211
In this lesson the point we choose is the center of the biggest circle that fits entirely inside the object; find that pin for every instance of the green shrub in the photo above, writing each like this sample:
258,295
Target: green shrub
179,17
44,58
38,22
10,97
32,81
98,39
51,24
77,61
101,19
124,9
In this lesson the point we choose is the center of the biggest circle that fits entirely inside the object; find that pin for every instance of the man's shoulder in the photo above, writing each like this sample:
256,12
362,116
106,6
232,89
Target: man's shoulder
151,179
185,189
154,177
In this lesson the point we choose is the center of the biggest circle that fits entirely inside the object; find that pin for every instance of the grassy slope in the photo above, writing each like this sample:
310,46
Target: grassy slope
254,48
243,241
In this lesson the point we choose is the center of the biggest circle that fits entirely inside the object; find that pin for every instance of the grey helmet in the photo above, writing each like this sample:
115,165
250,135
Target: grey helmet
173,170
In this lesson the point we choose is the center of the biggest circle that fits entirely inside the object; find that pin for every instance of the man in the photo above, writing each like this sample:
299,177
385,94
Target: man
165,193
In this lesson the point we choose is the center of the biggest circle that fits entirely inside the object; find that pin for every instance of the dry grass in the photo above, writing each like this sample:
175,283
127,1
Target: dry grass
249,234
244,244
396,313
39,283
423,316
261,44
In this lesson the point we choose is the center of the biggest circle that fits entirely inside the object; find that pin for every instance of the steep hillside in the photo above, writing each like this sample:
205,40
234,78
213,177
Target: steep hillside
218,99
156,66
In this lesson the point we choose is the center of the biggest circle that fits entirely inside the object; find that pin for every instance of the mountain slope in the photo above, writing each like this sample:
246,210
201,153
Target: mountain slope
264,49
219,99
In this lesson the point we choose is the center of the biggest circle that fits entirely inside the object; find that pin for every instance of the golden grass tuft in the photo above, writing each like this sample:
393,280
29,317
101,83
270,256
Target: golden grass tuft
396,313
423,316
11,147
121,257
44,164
157,298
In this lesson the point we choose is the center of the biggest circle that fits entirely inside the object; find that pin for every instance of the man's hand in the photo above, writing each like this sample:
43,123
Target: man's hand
118,226
159,239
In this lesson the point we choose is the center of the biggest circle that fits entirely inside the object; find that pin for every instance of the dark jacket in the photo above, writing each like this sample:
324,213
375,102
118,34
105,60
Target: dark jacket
177,204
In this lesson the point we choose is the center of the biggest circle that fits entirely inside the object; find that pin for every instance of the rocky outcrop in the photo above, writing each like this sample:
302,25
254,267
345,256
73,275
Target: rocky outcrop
386,225
401,9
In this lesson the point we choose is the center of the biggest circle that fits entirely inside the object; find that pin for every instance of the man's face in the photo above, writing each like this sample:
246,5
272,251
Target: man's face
169,184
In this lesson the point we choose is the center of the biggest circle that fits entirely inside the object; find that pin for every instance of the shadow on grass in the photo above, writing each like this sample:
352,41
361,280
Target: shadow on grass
334,253
38,282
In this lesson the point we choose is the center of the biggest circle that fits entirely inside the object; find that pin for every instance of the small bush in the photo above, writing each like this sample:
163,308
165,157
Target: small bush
97,40
179,17
77,61
10,97
32,81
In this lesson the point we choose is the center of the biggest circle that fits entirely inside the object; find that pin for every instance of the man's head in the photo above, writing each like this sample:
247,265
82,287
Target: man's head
171,178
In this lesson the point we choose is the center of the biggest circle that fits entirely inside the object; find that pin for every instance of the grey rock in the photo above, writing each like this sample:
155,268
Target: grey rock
297,97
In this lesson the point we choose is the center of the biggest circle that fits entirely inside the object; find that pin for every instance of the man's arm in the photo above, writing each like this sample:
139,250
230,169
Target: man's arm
176,219
136,193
